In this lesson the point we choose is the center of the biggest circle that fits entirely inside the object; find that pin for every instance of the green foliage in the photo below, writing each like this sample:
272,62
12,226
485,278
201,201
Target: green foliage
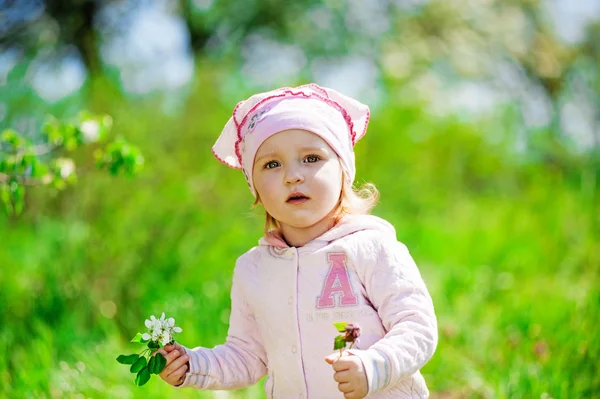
138,365
49,161
157,363
340,326
142,377
152,365
138,338
339,342
128,359
120,156
506,242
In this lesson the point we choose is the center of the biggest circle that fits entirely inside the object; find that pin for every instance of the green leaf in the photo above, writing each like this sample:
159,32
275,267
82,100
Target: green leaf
5,197
152,364
52,130
128,359
138,365
142,376
11,137
341,326
339,342
138,338
160,363
39,169
153,345
18,197
58,183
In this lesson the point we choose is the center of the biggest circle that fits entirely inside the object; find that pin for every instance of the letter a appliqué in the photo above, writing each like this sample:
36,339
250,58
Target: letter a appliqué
337,273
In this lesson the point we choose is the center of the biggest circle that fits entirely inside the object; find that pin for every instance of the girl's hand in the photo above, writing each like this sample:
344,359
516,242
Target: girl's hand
177,364
350,375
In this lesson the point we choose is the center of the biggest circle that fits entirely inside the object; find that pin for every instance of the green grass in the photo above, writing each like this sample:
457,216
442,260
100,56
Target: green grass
507,244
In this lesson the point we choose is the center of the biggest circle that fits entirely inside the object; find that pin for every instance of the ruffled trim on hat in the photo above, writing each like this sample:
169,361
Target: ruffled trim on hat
224,161
289,92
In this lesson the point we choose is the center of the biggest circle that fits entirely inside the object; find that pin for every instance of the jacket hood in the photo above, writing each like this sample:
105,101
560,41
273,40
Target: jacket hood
348,225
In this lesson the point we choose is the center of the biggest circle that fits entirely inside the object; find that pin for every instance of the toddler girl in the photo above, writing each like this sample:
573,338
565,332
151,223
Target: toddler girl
322,260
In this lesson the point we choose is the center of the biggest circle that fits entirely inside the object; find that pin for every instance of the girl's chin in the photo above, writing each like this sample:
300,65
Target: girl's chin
305,223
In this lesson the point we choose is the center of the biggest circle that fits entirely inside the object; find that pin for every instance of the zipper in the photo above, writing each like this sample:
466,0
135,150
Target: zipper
297,253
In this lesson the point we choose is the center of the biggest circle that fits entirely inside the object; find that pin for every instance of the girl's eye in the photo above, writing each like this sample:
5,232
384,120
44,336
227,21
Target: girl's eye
312,158
271,164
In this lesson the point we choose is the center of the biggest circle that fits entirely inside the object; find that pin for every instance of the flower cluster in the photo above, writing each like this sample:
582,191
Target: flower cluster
160,333
160,330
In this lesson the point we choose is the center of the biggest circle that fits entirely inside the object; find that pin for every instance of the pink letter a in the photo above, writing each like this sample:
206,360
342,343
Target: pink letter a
339,273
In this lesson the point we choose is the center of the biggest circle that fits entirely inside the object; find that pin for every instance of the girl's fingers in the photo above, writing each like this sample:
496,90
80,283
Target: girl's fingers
174,362
171,348
161,351
176,367
170,358
178,376
342,376
345,387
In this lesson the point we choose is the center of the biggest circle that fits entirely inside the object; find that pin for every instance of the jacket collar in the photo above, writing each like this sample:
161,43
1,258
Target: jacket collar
347,225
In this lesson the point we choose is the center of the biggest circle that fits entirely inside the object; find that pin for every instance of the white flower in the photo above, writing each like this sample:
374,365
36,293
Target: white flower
160,330
90,130
66,167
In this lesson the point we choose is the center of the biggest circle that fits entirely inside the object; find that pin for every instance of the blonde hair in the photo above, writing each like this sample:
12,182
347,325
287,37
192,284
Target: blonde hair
352,201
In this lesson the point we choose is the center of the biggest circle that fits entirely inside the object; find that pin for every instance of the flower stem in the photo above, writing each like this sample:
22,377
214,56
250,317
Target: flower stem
145,352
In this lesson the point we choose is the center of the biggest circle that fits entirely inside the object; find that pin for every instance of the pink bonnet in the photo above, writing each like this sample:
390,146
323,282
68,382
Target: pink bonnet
338,119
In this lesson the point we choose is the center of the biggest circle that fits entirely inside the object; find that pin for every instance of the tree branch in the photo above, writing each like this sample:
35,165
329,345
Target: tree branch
37,150
25,180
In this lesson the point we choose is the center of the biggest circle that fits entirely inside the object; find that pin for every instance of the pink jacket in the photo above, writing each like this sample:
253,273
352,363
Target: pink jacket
284,302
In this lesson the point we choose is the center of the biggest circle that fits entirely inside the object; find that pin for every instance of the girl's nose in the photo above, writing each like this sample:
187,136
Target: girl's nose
293,178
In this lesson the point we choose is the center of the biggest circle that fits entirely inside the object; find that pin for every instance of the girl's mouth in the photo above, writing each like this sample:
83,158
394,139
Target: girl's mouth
297,198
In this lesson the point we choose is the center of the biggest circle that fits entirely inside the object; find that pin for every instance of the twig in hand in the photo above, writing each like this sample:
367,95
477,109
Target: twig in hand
350,332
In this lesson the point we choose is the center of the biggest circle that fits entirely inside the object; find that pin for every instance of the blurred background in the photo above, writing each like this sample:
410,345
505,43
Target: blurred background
484,142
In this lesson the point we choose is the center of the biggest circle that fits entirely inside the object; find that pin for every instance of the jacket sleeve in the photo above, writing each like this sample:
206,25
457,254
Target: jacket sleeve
396,290
241,360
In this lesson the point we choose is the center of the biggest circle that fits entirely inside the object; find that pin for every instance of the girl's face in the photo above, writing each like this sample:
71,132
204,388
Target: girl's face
298,178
